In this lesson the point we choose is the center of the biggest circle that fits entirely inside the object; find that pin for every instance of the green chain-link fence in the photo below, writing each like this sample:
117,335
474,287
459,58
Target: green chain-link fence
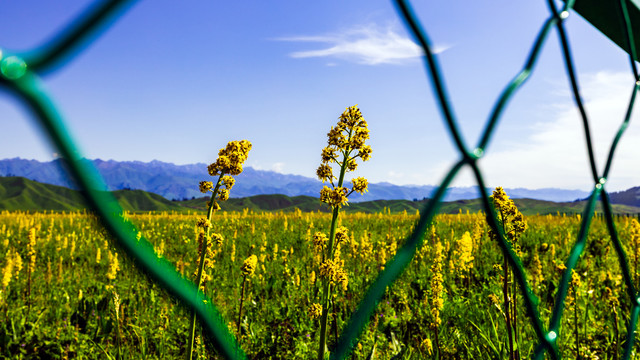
19,74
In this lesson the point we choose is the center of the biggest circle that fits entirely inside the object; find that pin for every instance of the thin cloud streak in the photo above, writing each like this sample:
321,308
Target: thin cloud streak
554,154
366,44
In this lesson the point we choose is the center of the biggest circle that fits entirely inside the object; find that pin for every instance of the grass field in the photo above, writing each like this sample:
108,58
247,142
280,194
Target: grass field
70,294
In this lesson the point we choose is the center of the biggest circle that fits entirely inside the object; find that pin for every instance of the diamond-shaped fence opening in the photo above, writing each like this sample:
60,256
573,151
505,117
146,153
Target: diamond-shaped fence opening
19,75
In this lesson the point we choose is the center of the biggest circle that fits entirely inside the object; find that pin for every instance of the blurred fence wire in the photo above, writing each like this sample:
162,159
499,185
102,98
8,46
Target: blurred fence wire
20,75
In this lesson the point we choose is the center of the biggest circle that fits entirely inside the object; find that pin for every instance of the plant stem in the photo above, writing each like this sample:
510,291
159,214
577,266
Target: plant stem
616,332
575,312
28,291
203,252
244,280
514,311
507,312
435,335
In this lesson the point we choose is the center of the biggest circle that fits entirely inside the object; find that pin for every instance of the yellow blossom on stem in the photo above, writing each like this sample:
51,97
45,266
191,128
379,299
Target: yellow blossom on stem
249,266
315,311
228,181
114,266
463,254
360,185
7,270
342,235
437,288
205,186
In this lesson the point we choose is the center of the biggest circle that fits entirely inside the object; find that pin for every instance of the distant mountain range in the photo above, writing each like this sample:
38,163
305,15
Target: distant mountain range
18,193
177,182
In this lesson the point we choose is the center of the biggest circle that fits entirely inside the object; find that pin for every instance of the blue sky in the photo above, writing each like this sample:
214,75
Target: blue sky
175,81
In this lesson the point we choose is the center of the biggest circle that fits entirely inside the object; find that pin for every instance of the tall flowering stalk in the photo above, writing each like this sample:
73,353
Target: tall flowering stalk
31,253
634,232
437,292
513,225
345,145
248,269
229,162
463,257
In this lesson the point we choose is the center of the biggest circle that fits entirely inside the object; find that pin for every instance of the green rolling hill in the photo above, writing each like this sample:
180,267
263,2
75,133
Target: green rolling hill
17,193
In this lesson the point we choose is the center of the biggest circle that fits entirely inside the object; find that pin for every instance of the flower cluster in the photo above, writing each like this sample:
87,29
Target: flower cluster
31,249
346,144
114,266
336,197
437,289
463,255
315,310
511,219
249,265
230,160
209,259
334,272
319,241
342,235
203,223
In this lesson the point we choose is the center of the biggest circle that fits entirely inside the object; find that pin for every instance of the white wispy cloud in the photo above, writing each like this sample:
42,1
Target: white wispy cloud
277,167
370,44
554,153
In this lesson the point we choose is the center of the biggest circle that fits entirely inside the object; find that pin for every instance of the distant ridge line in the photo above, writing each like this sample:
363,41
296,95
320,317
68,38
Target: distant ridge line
177,182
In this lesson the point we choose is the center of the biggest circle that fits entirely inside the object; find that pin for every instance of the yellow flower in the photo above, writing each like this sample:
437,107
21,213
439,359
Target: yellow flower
361,135
351,116
335,198
217,238
342,279
360,185
511,219
7,271
31,249
249,266
336,137
205,186
365,153
352,165
228,182
231,158
328,155
114,266
328,270
342,235
427,346
325,173
203,223
536,269
463,253
437,301
315,311
319,239
224,195
325,194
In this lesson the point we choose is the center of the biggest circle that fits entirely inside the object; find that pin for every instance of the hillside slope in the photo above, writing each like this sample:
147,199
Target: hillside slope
17,193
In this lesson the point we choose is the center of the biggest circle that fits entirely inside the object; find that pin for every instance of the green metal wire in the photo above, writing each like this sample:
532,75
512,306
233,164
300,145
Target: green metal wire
19,73
19,78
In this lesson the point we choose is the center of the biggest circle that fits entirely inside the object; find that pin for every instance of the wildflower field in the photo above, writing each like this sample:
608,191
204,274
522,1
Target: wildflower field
66,292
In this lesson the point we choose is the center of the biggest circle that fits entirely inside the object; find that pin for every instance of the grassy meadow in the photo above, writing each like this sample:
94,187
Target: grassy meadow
67,292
